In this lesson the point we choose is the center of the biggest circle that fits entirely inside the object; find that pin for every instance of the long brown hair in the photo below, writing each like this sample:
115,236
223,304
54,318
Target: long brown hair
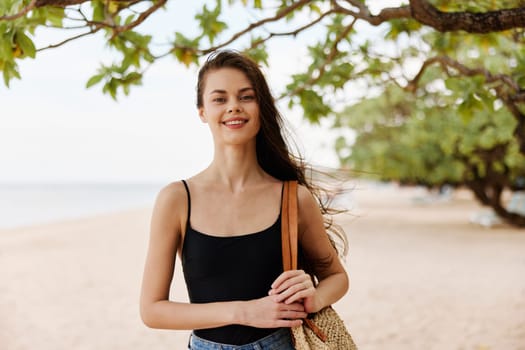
272,150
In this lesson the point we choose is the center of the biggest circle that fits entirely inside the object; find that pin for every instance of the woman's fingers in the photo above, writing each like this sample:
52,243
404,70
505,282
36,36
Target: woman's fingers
288,323
292,286
292,312
296,293
292,315
285,276
290,278
267,313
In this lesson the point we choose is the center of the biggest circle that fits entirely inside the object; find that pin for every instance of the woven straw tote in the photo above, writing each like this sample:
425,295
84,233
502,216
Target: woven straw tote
323,330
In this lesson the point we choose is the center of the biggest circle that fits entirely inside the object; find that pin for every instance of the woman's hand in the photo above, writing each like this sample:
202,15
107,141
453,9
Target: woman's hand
268,312
296,286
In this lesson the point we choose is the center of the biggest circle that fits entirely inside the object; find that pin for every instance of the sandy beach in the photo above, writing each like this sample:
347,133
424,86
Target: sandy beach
422,277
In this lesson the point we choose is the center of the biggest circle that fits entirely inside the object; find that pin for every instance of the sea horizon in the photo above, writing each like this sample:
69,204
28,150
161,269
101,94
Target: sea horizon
32,203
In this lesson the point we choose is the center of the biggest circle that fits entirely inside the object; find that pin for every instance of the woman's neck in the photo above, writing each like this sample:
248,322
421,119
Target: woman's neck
235,167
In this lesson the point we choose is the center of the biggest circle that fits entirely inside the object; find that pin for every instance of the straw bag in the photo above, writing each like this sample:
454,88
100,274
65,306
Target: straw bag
323,330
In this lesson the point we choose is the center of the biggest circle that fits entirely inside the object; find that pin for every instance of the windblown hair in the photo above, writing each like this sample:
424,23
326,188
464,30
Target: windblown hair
272,151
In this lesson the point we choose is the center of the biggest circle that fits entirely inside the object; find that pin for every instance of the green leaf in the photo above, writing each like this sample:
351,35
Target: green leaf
98,10
111,88
55,15
6,47
258,53
95,80
186,56
26,44
10,71
129,19
398,26
134,78
313,105
209,22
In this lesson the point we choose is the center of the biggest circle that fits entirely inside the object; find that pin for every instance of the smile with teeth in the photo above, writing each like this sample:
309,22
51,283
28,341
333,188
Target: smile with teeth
235,122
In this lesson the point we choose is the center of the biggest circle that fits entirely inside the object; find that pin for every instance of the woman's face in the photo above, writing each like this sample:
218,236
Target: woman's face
230,107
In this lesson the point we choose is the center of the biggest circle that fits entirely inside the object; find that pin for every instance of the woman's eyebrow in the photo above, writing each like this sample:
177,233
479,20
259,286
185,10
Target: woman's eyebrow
219,91
246,89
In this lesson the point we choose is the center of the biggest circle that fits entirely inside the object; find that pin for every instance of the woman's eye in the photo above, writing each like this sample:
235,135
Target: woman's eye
219,99
247,98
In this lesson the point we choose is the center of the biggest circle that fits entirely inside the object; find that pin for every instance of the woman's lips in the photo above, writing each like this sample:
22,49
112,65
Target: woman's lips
235,123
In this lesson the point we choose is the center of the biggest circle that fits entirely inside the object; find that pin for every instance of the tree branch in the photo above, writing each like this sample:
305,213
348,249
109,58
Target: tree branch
485,22
420,10
447,62
327,61
141,18
60,3
385,15
425,13
306,26
70,39
282,13
292,32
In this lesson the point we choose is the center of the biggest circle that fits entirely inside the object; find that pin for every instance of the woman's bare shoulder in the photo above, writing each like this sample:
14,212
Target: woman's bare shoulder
172,193
172,199
310,217
304,196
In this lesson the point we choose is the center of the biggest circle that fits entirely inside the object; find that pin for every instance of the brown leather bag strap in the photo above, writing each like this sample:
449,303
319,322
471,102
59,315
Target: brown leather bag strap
292,221
289,225
285,233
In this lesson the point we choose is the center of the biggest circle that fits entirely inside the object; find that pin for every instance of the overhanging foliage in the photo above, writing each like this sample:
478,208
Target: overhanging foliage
464,60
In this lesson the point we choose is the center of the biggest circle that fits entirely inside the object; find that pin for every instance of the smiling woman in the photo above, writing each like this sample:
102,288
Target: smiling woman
224,223
229,103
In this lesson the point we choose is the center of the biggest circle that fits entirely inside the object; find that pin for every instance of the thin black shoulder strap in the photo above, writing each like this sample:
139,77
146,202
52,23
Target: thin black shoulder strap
189,201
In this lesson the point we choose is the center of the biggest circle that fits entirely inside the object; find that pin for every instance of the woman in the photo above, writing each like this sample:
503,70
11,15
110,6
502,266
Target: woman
224,223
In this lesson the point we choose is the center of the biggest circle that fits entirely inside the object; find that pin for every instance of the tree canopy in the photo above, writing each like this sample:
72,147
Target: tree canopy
437,95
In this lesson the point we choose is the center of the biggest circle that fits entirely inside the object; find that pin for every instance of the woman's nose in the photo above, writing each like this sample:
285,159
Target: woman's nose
234,109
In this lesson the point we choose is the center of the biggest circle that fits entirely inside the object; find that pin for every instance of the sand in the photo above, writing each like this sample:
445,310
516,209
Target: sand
422,277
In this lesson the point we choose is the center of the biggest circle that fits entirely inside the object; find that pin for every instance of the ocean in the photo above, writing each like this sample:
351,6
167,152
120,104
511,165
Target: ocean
31,204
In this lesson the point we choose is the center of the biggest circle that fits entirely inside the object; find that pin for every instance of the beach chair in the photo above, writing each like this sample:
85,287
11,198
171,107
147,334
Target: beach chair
486,218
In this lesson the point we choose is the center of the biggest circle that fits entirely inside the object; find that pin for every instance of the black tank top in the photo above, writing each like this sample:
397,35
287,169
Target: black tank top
231,268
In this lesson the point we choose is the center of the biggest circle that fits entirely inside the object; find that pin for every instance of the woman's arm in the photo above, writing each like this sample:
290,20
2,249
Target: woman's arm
296,285
157,311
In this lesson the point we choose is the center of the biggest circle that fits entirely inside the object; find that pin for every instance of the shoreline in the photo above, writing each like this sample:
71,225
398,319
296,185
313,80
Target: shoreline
73,220
39,204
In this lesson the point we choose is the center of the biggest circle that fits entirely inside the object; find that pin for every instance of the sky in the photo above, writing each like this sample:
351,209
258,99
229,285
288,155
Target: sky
54,130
